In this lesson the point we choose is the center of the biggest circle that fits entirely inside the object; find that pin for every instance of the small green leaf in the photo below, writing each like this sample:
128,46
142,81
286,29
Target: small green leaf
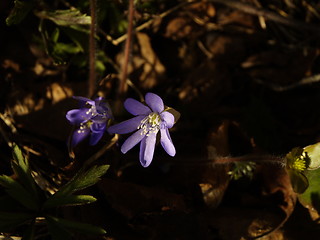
18,192
314,154
10,220
82,180
61,52
19,11
55,35
70,200
298,180
79,38
76,226
20,166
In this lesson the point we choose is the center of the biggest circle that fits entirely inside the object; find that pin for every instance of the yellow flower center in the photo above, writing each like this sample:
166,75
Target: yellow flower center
150,124
299,164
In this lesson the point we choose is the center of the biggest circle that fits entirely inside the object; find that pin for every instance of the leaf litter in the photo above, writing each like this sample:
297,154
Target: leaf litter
237,79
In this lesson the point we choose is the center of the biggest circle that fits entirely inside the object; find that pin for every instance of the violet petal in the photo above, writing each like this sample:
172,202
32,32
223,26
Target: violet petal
83,101
98,127
142,150
154,102
95,137
136,108
126,126
150,143
166,142
99,119
168,118
79,135
133,140
77,116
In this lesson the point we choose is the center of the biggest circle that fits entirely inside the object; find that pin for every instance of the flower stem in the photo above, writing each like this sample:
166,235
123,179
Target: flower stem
92,49
124,70
251,158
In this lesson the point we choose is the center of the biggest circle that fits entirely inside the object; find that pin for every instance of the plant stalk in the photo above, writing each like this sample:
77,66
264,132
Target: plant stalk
92,49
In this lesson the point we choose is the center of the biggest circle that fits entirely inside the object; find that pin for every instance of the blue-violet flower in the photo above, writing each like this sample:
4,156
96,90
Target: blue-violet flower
148,121
91,119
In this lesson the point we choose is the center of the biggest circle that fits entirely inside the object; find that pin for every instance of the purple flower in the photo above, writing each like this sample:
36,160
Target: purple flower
91,119
148,121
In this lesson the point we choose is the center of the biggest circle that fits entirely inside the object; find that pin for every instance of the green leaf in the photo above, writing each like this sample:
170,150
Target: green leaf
79,38
18,192
311,197
61,51
10,220
314,154
55,35
29,233
70,200
298,180
9,205
19,11
82,180
72,18
57,231
76,226
20,166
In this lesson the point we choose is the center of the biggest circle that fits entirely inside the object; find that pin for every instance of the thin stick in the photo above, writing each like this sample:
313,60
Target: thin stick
269,15
250,158
146,24
92,50
124,70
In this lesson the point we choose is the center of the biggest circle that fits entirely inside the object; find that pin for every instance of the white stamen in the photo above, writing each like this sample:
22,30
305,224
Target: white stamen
150,124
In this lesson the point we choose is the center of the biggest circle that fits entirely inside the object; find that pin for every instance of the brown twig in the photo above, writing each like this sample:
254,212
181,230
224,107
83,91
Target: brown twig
268,15
147,24
251,158
124,70
278,88
92,50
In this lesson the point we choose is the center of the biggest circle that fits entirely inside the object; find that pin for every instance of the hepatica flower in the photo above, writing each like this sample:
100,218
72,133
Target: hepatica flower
91,119
148,121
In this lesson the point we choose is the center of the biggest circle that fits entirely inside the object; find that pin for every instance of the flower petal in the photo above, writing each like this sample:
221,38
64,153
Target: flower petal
95,137
126,126
77,116
99,119
103,108
154,102
168,118
136,108
97,131
133,140
166,142
79,135
98,127
146,154
142,150
83,101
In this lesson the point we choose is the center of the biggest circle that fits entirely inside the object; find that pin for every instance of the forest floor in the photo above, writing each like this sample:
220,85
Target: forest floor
245,82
